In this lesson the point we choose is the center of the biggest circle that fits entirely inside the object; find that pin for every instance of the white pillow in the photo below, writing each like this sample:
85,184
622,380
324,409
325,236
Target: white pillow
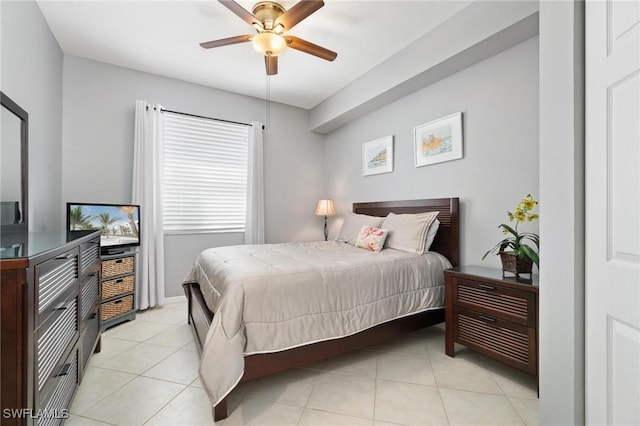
352,225
408,232
431,234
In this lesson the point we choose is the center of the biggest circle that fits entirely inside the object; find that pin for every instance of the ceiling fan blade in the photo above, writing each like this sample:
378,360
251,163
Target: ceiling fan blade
298,12
308,47
243,13
271,65
226,41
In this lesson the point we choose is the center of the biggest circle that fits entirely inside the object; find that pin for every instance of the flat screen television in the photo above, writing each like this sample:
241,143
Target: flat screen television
119,223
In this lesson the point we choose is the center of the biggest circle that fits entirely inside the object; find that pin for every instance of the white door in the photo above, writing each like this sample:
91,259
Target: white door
612,324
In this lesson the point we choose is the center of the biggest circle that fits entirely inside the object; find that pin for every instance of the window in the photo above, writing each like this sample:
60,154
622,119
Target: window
205,175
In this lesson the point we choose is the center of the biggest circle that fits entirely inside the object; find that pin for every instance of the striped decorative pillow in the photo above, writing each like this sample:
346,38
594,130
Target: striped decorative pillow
408,232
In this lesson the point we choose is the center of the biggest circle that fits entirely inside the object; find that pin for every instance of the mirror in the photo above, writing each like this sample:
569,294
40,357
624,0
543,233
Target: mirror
13,166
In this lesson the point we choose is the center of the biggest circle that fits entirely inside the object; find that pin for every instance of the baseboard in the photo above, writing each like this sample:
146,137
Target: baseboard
174,299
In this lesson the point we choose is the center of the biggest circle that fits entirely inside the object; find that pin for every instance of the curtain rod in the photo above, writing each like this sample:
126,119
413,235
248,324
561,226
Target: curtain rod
207,118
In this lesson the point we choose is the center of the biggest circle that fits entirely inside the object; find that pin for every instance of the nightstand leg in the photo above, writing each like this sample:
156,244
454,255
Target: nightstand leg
449,323
448,343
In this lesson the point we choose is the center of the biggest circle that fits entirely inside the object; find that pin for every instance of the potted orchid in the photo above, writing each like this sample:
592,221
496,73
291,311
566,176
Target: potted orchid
516,250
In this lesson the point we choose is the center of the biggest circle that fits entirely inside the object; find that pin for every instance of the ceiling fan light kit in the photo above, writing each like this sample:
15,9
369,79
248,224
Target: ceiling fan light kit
269,43
271,20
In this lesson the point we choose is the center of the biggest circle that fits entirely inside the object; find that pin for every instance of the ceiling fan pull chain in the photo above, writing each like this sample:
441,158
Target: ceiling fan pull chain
268,113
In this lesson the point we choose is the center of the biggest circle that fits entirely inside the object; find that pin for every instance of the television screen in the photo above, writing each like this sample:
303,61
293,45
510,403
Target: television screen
119,223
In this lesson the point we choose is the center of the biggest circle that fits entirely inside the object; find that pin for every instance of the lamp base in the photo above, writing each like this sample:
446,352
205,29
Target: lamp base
326,230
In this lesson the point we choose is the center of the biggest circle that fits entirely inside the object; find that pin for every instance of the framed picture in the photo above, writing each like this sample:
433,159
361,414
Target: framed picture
377,156
439,140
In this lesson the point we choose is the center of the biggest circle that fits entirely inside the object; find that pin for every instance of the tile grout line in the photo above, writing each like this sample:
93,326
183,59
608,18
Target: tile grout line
168,402
375,385
315,382
435,378
92,419
104,397
137,375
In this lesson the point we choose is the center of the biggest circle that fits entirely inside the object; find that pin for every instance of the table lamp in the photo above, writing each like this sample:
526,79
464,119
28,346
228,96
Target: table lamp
325,208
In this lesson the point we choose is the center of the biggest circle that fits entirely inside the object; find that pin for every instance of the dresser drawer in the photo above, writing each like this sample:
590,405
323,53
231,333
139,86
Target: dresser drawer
122,285
89,255
54,276
510,343
55,400
502,302
54,338
115,267
90,331
89,295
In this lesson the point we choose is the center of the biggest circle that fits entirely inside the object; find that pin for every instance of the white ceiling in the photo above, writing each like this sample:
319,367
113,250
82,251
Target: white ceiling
162,37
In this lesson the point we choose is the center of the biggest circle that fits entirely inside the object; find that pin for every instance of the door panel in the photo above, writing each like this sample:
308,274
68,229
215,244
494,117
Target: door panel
612,164
624,115
624,394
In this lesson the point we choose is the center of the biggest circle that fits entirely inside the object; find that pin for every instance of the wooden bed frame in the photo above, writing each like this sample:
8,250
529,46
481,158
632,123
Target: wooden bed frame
446,243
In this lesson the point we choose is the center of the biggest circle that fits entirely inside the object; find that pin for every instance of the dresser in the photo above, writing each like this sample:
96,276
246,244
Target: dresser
49,295
118,289
494,315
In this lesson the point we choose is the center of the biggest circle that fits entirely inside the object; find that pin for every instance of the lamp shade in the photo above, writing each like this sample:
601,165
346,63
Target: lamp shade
325,208
269,43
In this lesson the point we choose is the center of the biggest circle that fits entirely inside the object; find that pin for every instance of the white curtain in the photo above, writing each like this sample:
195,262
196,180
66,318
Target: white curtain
254,228
147,191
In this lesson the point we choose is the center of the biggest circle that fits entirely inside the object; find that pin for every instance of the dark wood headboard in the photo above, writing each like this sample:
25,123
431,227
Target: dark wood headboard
447,238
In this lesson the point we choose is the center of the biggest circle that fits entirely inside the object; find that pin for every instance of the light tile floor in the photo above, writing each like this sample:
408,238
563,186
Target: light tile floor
147,373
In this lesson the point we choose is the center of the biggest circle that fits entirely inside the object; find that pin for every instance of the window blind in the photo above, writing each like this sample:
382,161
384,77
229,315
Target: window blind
205,175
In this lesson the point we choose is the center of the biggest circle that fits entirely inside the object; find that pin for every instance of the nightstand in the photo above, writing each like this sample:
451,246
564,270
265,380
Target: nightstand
494,315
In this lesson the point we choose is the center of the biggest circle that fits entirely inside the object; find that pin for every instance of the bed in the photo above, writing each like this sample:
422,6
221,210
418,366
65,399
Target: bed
231,329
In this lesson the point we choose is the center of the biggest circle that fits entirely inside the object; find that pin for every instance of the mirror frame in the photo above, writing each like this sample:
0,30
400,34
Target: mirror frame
24,138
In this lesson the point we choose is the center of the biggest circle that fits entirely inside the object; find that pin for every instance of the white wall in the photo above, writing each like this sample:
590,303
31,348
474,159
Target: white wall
499,101
562,356
99,104
480,30
31,75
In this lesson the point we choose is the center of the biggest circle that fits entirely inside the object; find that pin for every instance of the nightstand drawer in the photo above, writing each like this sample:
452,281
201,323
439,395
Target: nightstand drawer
508,342
494,300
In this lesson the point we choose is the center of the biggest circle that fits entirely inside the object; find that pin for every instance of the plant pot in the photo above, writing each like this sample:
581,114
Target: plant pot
511,263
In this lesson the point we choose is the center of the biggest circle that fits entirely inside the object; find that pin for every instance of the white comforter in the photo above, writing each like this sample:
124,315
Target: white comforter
268,298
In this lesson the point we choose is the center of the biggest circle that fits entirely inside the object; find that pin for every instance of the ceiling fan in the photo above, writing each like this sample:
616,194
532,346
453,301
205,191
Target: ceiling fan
271,20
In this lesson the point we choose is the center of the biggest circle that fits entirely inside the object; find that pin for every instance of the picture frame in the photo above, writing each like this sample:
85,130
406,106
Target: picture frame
438,141
377,156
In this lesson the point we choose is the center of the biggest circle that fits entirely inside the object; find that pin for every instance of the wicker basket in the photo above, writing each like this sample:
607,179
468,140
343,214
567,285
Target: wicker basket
114,267
117,307
118,286
511,263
